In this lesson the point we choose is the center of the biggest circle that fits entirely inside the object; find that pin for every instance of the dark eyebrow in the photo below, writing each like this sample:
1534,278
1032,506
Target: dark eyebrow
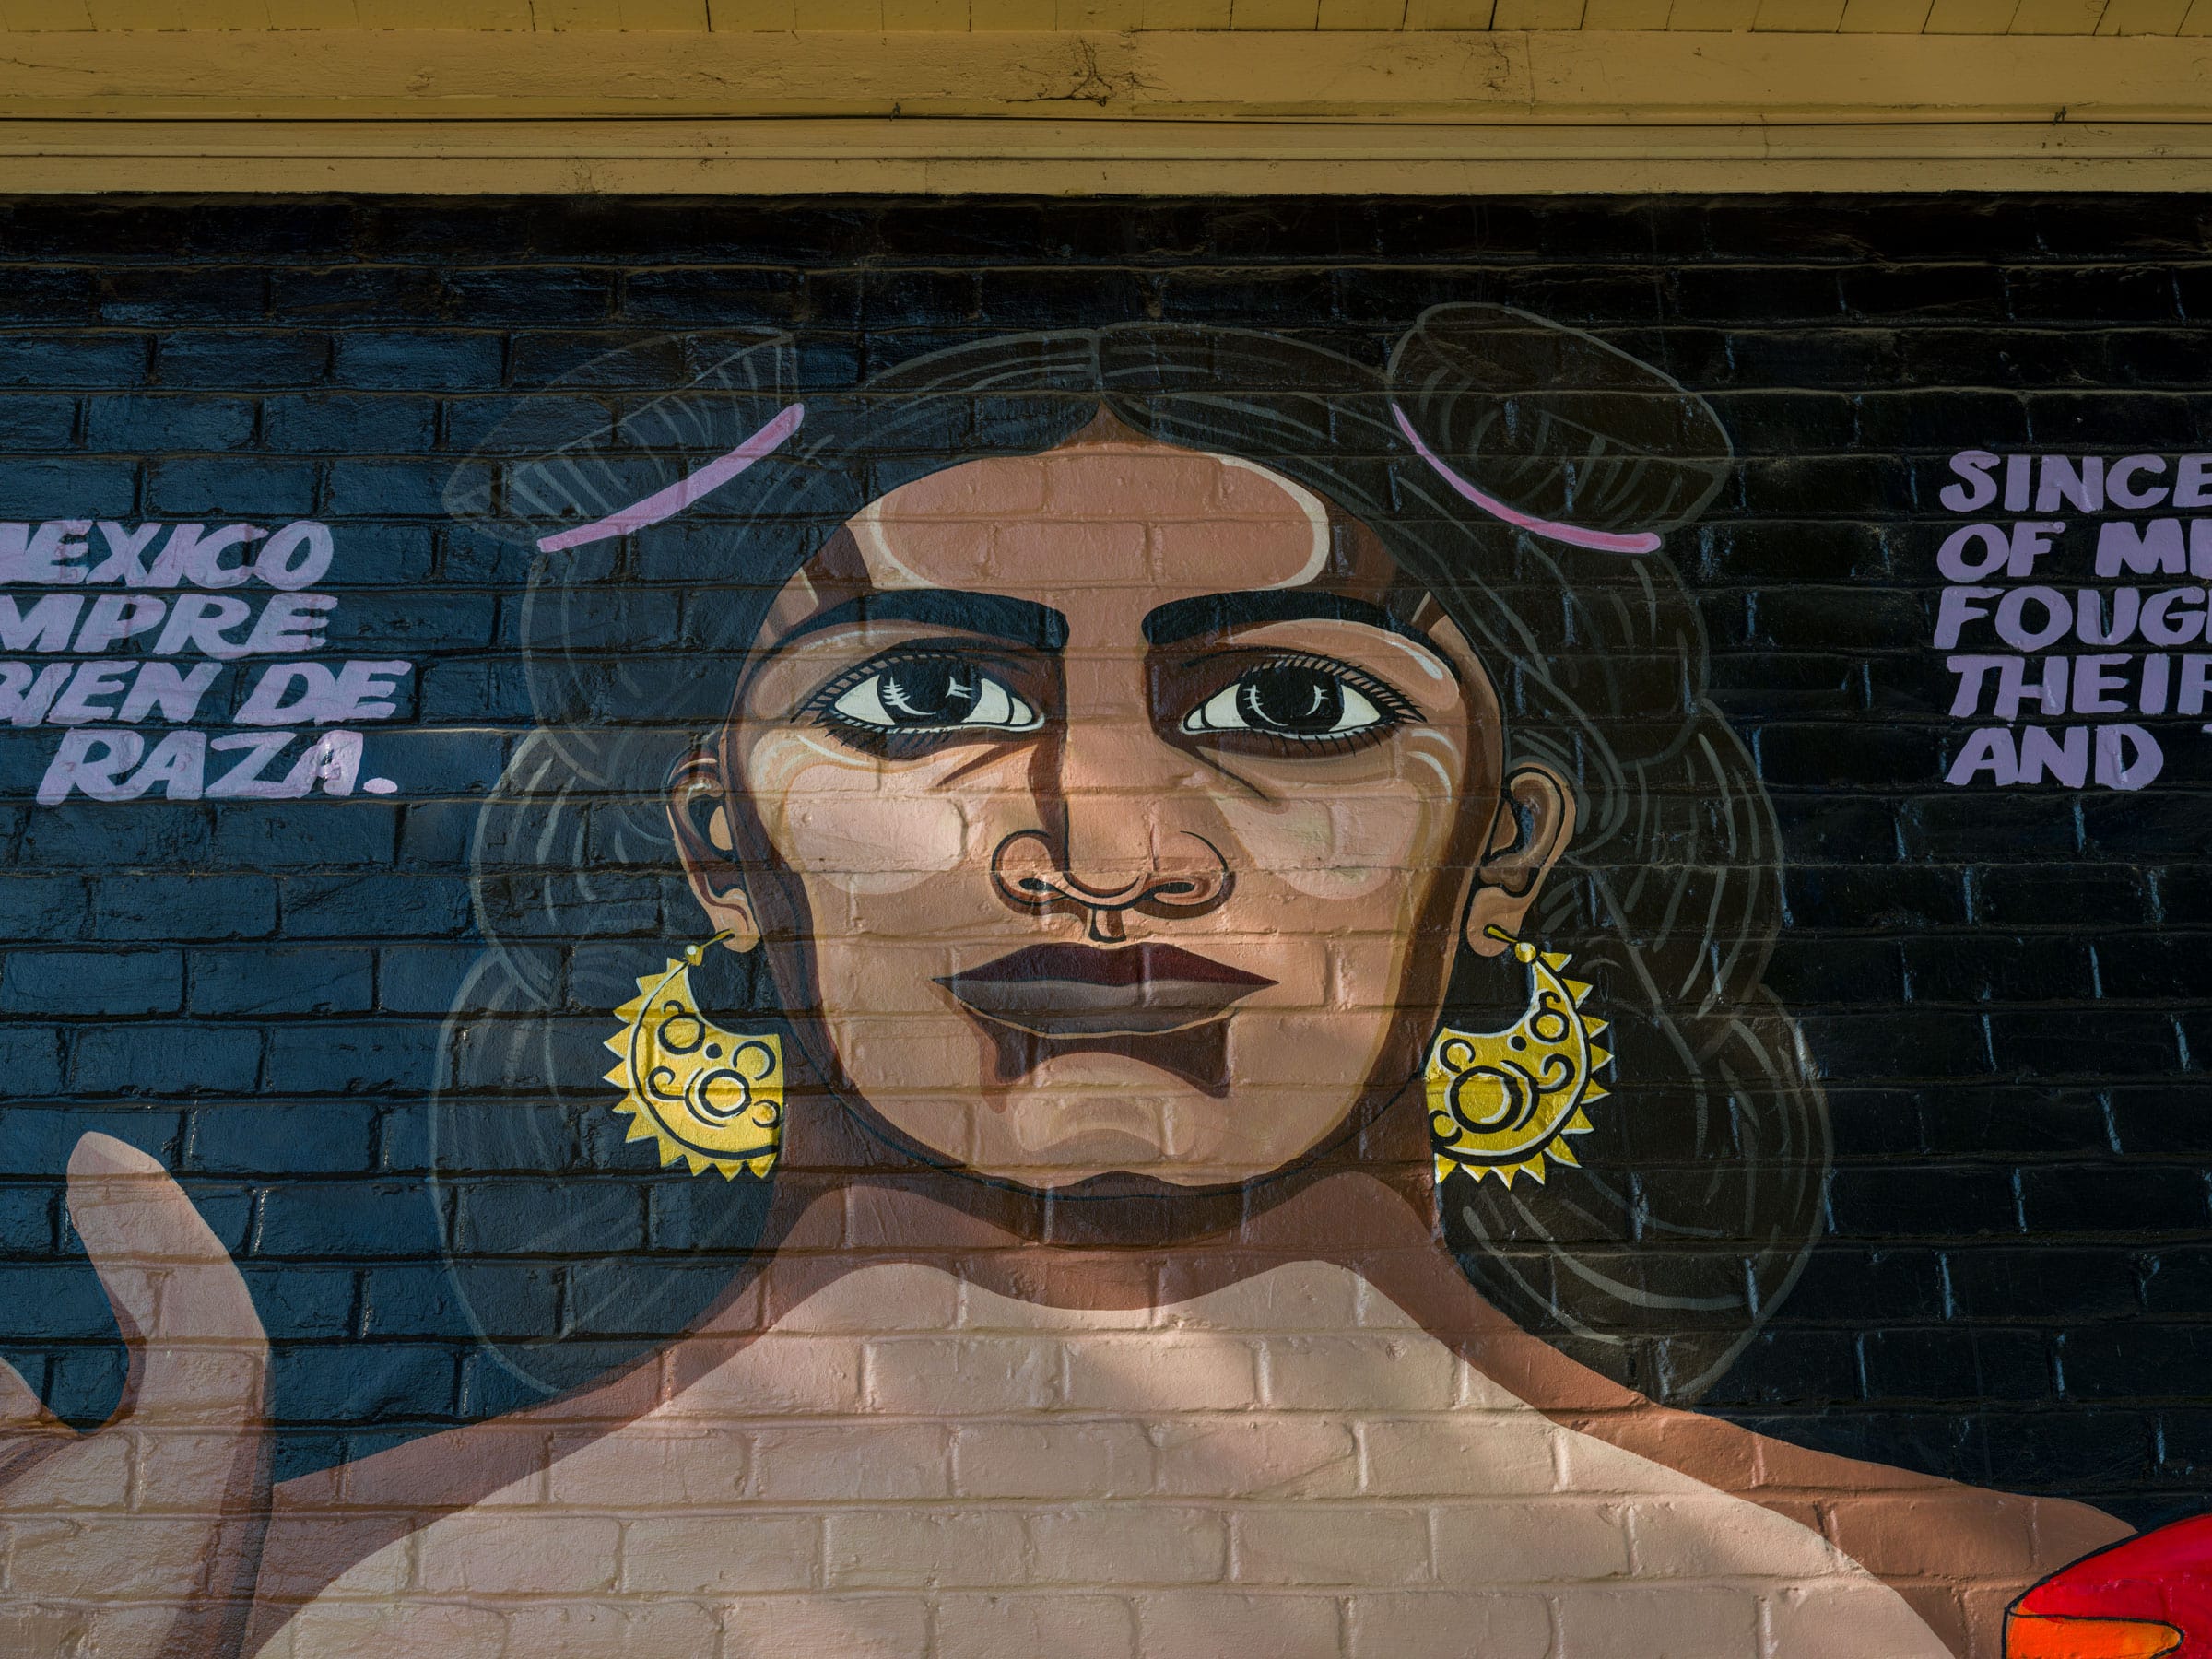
1017,621
1216,613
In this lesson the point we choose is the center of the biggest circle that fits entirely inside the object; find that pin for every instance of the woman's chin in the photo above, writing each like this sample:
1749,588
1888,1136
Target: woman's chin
1098,1113
1105,1169
1052,1140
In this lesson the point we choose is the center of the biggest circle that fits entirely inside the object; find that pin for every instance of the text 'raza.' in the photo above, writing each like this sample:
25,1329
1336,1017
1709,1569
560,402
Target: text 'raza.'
90,686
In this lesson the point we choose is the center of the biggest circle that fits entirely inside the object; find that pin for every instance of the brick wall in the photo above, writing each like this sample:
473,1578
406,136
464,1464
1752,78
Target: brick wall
2001,989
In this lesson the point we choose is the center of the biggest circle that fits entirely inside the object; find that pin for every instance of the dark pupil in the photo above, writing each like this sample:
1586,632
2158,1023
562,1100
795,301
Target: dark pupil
1290,699
936,691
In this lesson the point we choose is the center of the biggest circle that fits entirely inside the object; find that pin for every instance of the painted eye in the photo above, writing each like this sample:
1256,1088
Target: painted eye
931,694
1290,699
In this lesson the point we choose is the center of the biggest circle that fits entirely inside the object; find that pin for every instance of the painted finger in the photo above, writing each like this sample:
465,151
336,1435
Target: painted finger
19,1405
198,1353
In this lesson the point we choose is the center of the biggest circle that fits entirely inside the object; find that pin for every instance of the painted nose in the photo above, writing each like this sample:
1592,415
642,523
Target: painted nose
1186,877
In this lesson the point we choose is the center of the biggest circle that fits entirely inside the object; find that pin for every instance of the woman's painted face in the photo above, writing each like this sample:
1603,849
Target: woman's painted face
1109,814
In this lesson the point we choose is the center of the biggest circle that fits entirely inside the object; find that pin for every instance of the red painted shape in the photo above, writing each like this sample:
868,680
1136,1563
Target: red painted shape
2164,1576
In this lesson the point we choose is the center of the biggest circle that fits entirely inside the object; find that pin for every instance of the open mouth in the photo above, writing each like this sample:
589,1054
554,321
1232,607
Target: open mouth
1080,991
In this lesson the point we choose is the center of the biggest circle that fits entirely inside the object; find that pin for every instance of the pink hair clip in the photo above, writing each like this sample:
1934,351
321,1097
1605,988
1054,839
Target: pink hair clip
693,486
1602,541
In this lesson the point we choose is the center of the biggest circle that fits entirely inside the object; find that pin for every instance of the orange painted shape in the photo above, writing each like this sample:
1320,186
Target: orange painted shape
2026,1636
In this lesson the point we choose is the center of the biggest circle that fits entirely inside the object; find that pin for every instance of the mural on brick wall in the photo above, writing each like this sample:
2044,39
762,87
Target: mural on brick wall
825,955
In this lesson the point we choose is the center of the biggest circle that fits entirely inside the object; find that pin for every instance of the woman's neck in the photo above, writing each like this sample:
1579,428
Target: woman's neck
848,1200
848,1195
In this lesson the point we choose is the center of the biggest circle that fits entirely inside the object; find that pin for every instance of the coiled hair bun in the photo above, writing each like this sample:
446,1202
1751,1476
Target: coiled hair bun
613,429
1556,425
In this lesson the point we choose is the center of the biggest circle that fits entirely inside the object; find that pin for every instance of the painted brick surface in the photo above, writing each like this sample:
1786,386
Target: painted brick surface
1987,989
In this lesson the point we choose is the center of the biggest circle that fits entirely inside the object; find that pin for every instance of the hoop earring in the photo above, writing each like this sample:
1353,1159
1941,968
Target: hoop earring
708,1095
1502,1102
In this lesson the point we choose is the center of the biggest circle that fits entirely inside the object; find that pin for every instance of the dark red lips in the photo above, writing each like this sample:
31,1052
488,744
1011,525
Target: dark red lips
1080,991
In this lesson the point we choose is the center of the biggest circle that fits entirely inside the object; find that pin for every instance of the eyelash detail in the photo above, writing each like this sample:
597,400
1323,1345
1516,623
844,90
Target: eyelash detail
1387,698
1334,693
864,712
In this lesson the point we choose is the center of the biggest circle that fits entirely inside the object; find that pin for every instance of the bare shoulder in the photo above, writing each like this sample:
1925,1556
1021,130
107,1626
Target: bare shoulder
1272,1462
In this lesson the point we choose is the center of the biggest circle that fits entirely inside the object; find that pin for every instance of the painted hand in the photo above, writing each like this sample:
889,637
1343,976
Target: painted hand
140,1540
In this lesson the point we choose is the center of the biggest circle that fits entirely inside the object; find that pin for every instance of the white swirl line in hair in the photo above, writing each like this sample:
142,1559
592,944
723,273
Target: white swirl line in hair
1600,541
692,486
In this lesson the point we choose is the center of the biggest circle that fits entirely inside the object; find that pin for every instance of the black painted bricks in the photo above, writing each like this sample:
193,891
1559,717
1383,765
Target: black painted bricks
2002,993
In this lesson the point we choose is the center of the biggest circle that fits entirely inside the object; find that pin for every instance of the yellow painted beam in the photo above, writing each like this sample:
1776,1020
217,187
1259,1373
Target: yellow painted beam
1971,17
1275,14
1176,15
46,14
1778,78
1456,14
2144,16
1080,158
1811,16
1883,16
1537,14
1362,13
2058,16
960,16
1756,107
1713,14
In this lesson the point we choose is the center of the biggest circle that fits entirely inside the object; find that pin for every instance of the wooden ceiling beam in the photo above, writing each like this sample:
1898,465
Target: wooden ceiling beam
1445,111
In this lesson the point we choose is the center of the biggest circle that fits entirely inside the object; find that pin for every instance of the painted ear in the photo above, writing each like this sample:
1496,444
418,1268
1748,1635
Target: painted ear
618,429
1535,824
699,820
1556,426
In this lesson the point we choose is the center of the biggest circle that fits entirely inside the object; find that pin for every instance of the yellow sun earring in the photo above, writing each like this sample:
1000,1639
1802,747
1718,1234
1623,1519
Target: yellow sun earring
1502,1102
713,1099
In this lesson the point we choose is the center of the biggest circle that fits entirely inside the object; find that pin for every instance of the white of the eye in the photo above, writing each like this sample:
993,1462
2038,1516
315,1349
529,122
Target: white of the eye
864,703
1219,712
1358,713
994,706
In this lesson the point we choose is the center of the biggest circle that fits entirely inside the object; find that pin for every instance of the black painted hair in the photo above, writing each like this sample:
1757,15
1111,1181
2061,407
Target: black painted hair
1699,1191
